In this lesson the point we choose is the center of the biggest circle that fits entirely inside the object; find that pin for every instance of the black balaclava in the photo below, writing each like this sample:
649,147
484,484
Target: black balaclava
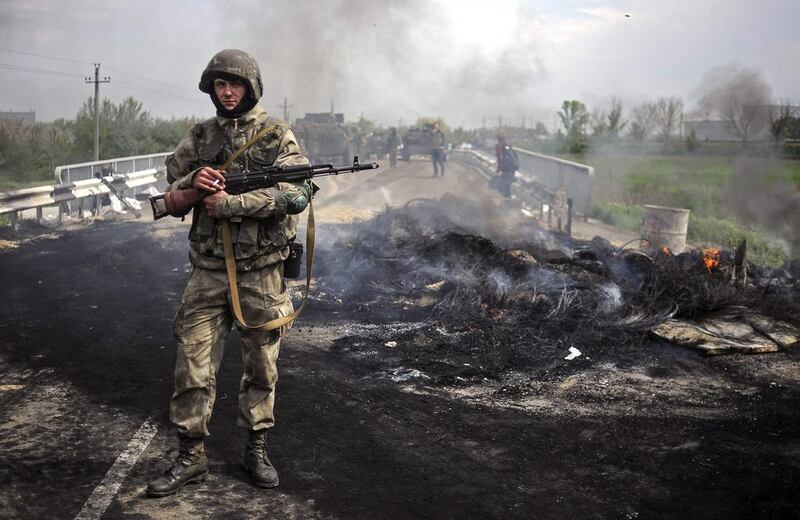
246,104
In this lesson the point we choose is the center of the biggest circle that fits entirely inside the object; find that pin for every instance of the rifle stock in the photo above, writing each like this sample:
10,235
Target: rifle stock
175,203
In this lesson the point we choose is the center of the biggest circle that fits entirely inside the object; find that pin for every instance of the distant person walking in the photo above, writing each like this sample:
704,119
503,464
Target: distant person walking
392,142
438,154
507,165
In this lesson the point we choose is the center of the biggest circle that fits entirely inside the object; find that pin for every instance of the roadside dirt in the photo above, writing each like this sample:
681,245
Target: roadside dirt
367,429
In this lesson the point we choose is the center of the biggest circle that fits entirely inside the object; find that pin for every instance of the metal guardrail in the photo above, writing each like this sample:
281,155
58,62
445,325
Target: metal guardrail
554,173
83,171
61,194
70,173
42,196
529,185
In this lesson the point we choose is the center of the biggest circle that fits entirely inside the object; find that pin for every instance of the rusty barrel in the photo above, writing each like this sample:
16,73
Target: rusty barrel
664,227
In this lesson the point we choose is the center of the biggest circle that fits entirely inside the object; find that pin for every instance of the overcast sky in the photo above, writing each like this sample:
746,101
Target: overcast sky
391,60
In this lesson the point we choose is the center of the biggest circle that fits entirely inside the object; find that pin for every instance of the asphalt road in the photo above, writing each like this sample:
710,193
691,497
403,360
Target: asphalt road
86,358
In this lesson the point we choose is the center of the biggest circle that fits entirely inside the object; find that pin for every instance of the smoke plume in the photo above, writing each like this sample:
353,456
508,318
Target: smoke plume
390,59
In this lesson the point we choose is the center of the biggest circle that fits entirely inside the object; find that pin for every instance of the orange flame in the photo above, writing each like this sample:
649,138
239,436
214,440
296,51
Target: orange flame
666,250
711,258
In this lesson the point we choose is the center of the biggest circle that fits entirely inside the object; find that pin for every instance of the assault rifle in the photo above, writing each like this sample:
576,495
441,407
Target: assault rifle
178,202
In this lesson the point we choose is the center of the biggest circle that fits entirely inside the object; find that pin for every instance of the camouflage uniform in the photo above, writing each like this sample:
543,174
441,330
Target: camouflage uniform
263,222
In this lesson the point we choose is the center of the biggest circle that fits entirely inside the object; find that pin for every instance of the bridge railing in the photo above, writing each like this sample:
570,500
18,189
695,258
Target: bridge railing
540,177
64,175
77,186
554,173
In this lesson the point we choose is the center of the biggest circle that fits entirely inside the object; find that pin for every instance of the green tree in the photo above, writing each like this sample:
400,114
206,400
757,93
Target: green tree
574,117
691,140
29,153
615,123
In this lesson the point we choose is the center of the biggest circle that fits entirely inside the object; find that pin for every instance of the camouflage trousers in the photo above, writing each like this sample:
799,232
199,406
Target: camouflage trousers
201,327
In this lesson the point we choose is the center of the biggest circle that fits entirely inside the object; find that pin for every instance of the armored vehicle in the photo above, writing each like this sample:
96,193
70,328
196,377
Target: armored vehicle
417,141
323,138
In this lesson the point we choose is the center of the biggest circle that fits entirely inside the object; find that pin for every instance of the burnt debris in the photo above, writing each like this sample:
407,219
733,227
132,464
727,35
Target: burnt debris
509,296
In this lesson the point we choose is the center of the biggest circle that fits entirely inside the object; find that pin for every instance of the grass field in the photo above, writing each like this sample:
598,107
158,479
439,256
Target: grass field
730,198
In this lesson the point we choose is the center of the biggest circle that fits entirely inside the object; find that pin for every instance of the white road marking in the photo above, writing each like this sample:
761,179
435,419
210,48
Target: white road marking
104,493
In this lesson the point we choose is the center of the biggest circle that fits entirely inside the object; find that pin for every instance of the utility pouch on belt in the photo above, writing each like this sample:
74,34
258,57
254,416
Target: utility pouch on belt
291,266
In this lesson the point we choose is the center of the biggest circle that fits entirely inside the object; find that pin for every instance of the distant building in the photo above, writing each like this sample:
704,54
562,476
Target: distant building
717,130
27,118
708,130
721,130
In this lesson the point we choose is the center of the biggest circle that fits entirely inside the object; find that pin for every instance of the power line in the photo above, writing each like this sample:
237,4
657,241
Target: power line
44,56
149,80
136,88
20,68
118,71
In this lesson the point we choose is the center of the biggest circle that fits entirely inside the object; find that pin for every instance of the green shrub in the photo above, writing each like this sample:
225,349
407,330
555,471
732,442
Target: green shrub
762,248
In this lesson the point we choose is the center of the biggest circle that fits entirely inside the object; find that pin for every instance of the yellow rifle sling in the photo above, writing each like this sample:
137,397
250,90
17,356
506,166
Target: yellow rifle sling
230,260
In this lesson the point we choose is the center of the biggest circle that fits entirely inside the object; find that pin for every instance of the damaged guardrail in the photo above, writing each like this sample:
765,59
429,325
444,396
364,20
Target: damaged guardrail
14,202
85,185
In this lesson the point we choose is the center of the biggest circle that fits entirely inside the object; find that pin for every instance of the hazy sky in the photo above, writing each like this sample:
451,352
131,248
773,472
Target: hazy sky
395,59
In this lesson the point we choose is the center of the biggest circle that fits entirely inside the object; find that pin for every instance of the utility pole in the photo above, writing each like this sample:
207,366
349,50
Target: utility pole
286,106
97,82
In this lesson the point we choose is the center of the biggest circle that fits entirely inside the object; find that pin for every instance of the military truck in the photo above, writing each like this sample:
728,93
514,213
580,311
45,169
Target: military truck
323,138
417,141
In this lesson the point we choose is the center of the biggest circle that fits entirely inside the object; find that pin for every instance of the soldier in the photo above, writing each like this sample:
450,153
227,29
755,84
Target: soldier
263,222
438,153
392,142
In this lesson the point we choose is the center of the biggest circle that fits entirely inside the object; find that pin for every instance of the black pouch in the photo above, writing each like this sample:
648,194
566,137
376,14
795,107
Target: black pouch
291,266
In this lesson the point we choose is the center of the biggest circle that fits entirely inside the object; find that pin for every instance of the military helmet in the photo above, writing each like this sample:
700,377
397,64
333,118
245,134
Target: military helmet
233,62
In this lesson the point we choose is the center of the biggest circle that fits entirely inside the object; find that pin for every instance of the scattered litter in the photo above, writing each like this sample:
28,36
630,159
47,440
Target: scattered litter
573,353
404,374
175,270
435,286
390,344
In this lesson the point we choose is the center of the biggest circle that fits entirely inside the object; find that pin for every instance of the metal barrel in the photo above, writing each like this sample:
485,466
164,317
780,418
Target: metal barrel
664,227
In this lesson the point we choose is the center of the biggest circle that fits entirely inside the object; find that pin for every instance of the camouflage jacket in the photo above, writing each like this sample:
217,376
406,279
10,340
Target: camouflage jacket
263,221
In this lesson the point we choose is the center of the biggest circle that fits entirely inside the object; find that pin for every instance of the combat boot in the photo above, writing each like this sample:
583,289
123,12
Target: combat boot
256,462
190,466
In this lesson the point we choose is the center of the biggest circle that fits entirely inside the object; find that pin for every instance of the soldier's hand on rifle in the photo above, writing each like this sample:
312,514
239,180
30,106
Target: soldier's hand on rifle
209,179
210,202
